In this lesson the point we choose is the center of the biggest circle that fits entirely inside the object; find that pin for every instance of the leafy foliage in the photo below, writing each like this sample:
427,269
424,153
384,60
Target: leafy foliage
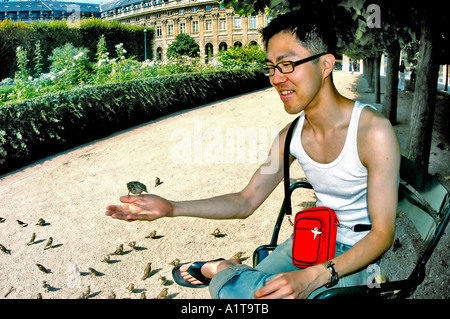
71,68
53,34
184,45
246,56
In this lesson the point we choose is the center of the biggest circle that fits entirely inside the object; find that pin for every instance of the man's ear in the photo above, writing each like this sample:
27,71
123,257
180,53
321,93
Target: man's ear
328,61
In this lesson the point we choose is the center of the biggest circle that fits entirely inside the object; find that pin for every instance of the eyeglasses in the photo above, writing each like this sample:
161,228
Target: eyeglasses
288,66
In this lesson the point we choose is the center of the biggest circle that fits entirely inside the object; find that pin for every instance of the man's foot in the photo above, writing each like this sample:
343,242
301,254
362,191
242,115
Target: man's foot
199,274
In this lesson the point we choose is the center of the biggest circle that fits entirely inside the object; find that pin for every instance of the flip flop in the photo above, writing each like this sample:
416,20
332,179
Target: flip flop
195,271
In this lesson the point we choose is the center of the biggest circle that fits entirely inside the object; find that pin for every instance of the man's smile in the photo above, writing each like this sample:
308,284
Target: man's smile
286,94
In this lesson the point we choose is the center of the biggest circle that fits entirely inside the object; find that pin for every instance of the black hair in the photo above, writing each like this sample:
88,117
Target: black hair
313,32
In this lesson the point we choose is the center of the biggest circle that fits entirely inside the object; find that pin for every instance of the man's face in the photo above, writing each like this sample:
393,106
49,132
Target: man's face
300,88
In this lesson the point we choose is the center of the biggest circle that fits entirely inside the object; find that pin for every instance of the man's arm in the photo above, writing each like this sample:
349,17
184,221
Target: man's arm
235,205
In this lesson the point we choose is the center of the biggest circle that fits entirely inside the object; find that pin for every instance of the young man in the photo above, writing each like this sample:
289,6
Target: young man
348,152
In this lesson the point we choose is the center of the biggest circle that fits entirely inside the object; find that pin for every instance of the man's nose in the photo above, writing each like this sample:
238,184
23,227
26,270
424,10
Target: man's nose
277,77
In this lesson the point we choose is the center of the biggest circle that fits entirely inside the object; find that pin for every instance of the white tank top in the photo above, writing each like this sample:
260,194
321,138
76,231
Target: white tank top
342,184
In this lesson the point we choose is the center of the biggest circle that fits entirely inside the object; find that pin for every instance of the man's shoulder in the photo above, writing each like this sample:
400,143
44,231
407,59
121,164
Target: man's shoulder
374,132
372,118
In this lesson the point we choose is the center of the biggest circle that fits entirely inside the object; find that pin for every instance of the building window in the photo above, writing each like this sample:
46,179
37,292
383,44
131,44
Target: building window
170,29
182,27
208,8
158,15
237,23
194,10
137,19
208,52
194,26
158,31
147,17
222,24
208,25
252,22
181,12
169,13
223,46
159,53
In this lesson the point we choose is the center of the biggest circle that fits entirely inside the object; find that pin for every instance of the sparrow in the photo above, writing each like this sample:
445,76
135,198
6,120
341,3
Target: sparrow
158,182
174,262
216,233
85,295
238,255
49,243
93,271
46,286
112,295
163,280
130,287
40,222
119,250
33,237
3,248
2,219
162,294
132,244
143,296
21,223
147,271
106,259
151,235
136,188
43,269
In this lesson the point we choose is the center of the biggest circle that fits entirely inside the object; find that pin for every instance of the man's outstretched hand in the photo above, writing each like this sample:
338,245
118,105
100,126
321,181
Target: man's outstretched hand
143,207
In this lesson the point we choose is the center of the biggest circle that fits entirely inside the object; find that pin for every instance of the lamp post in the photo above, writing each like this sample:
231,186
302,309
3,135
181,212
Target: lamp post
145,44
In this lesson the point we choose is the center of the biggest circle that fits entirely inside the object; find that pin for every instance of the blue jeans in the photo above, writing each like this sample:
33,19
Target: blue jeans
241,281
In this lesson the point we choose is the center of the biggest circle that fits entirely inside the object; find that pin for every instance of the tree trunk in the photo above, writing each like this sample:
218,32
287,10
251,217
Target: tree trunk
421,125
391,84
365,67
369,77
376,75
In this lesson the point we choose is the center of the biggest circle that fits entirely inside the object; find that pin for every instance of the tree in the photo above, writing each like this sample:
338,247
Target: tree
422,117
183,45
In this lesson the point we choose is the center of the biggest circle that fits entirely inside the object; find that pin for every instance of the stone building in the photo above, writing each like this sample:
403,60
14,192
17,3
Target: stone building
212,26
32,11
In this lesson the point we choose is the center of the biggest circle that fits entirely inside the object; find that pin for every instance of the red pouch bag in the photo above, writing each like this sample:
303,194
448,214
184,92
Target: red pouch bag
314,239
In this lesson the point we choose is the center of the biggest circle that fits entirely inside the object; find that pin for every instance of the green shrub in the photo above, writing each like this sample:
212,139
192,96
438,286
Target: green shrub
239,57
184,45
35,128
53,34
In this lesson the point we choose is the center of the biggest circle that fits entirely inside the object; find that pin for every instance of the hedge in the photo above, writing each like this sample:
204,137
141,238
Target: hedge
40,127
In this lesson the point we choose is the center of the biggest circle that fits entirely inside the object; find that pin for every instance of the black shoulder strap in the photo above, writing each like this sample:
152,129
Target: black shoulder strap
286,164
